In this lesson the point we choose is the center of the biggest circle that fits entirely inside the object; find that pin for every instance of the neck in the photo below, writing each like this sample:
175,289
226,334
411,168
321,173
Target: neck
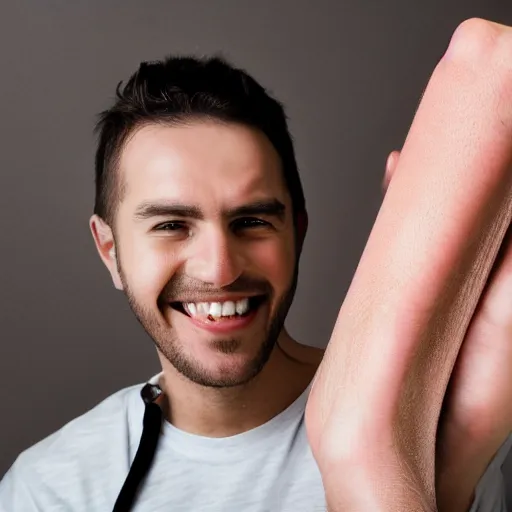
223,412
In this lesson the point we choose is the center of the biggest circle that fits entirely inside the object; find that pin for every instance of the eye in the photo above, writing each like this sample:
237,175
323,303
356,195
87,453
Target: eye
249,223
170,226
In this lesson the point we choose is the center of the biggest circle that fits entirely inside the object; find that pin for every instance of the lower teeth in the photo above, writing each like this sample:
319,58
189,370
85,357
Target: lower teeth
215,318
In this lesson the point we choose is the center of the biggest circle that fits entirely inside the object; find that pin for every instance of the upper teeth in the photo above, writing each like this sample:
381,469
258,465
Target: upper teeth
218,309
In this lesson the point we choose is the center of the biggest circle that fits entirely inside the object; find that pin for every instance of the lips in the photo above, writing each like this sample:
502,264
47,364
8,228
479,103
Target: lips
223,325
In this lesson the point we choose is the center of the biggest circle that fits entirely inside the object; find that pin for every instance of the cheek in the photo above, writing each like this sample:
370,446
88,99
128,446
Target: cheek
148,266
276,262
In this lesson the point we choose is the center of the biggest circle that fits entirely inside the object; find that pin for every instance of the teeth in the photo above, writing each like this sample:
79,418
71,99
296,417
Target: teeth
228,308
242,306
218,309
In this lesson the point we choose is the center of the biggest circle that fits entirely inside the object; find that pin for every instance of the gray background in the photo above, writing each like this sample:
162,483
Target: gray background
351,74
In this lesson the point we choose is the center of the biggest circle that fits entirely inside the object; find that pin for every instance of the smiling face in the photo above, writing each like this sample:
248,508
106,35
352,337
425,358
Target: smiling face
205,228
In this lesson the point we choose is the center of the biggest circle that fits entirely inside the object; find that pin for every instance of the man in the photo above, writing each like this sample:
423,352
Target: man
200,220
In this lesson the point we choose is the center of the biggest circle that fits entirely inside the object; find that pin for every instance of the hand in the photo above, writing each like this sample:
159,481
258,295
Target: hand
393,359
477,413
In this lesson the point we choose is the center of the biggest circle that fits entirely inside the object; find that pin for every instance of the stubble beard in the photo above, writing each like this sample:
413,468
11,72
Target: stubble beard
173,349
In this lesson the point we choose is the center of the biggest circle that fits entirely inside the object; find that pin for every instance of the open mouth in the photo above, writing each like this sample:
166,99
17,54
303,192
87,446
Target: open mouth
219,311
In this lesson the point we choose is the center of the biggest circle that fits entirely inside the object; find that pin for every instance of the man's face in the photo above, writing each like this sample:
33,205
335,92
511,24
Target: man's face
205,228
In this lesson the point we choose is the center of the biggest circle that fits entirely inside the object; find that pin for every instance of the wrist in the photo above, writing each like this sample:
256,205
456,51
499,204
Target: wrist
368,484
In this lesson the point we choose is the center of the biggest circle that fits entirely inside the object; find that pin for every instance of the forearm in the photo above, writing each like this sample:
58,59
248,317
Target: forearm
375,488
379,391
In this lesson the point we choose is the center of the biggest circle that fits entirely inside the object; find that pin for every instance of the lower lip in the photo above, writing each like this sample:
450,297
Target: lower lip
225,326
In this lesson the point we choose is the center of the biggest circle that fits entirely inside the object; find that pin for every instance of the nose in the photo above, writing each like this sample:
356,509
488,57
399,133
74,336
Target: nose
214,258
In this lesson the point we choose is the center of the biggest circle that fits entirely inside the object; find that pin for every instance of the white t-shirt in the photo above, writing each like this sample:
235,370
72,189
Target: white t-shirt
82,467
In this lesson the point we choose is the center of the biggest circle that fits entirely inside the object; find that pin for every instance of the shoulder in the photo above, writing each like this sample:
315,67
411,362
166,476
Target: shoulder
306,354
314,355
90,446
109,417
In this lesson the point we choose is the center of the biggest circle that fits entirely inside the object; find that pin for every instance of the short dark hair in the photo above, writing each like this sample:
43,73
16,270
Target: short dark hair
179,89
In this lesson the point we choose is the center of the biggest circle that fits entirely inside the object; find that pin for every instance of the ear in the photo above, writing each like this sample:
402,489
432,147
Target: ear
301,229
391,164
105,244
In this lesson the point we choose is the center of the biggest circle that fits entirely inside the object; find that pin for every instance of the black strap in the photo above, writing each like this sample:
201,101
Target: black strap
143,458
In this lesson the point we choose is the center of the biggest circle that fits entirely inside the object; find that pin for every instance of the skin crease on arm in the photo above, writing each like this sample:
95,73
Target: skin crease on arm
479,395
373,412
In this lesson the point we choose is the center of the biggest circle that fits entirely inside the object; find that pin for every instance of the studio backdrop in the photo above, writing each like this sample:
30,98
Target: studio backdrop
350,73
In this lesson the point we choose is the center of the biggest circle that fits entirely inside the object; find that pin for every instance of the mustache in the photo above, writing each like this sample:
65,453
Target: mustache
181,287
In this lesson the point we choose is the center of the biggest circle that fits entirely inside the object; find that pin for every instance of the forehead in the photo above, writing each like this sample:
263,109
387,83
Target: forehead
201,162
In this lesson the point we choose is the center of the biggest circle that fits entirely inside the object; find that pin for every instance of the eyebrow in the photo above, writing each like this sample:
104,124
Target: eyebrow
268,207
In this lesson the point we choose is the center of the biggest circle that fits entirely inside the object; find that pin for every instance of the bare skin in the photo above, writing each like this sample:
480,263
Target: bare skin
165,256
373,425
479,397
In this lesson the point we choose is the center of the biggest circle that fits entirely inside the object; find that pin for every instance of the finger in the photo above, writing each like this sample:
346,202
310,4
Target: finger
391,164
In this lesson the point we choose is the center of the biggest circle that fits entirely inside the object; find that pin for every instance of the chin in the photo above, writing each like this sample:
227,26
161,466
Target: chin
220,363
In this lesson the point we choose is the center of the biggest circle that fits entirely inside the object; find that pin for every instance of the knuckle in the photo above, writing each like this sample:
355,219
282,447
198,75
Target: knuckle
474,41
484,50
